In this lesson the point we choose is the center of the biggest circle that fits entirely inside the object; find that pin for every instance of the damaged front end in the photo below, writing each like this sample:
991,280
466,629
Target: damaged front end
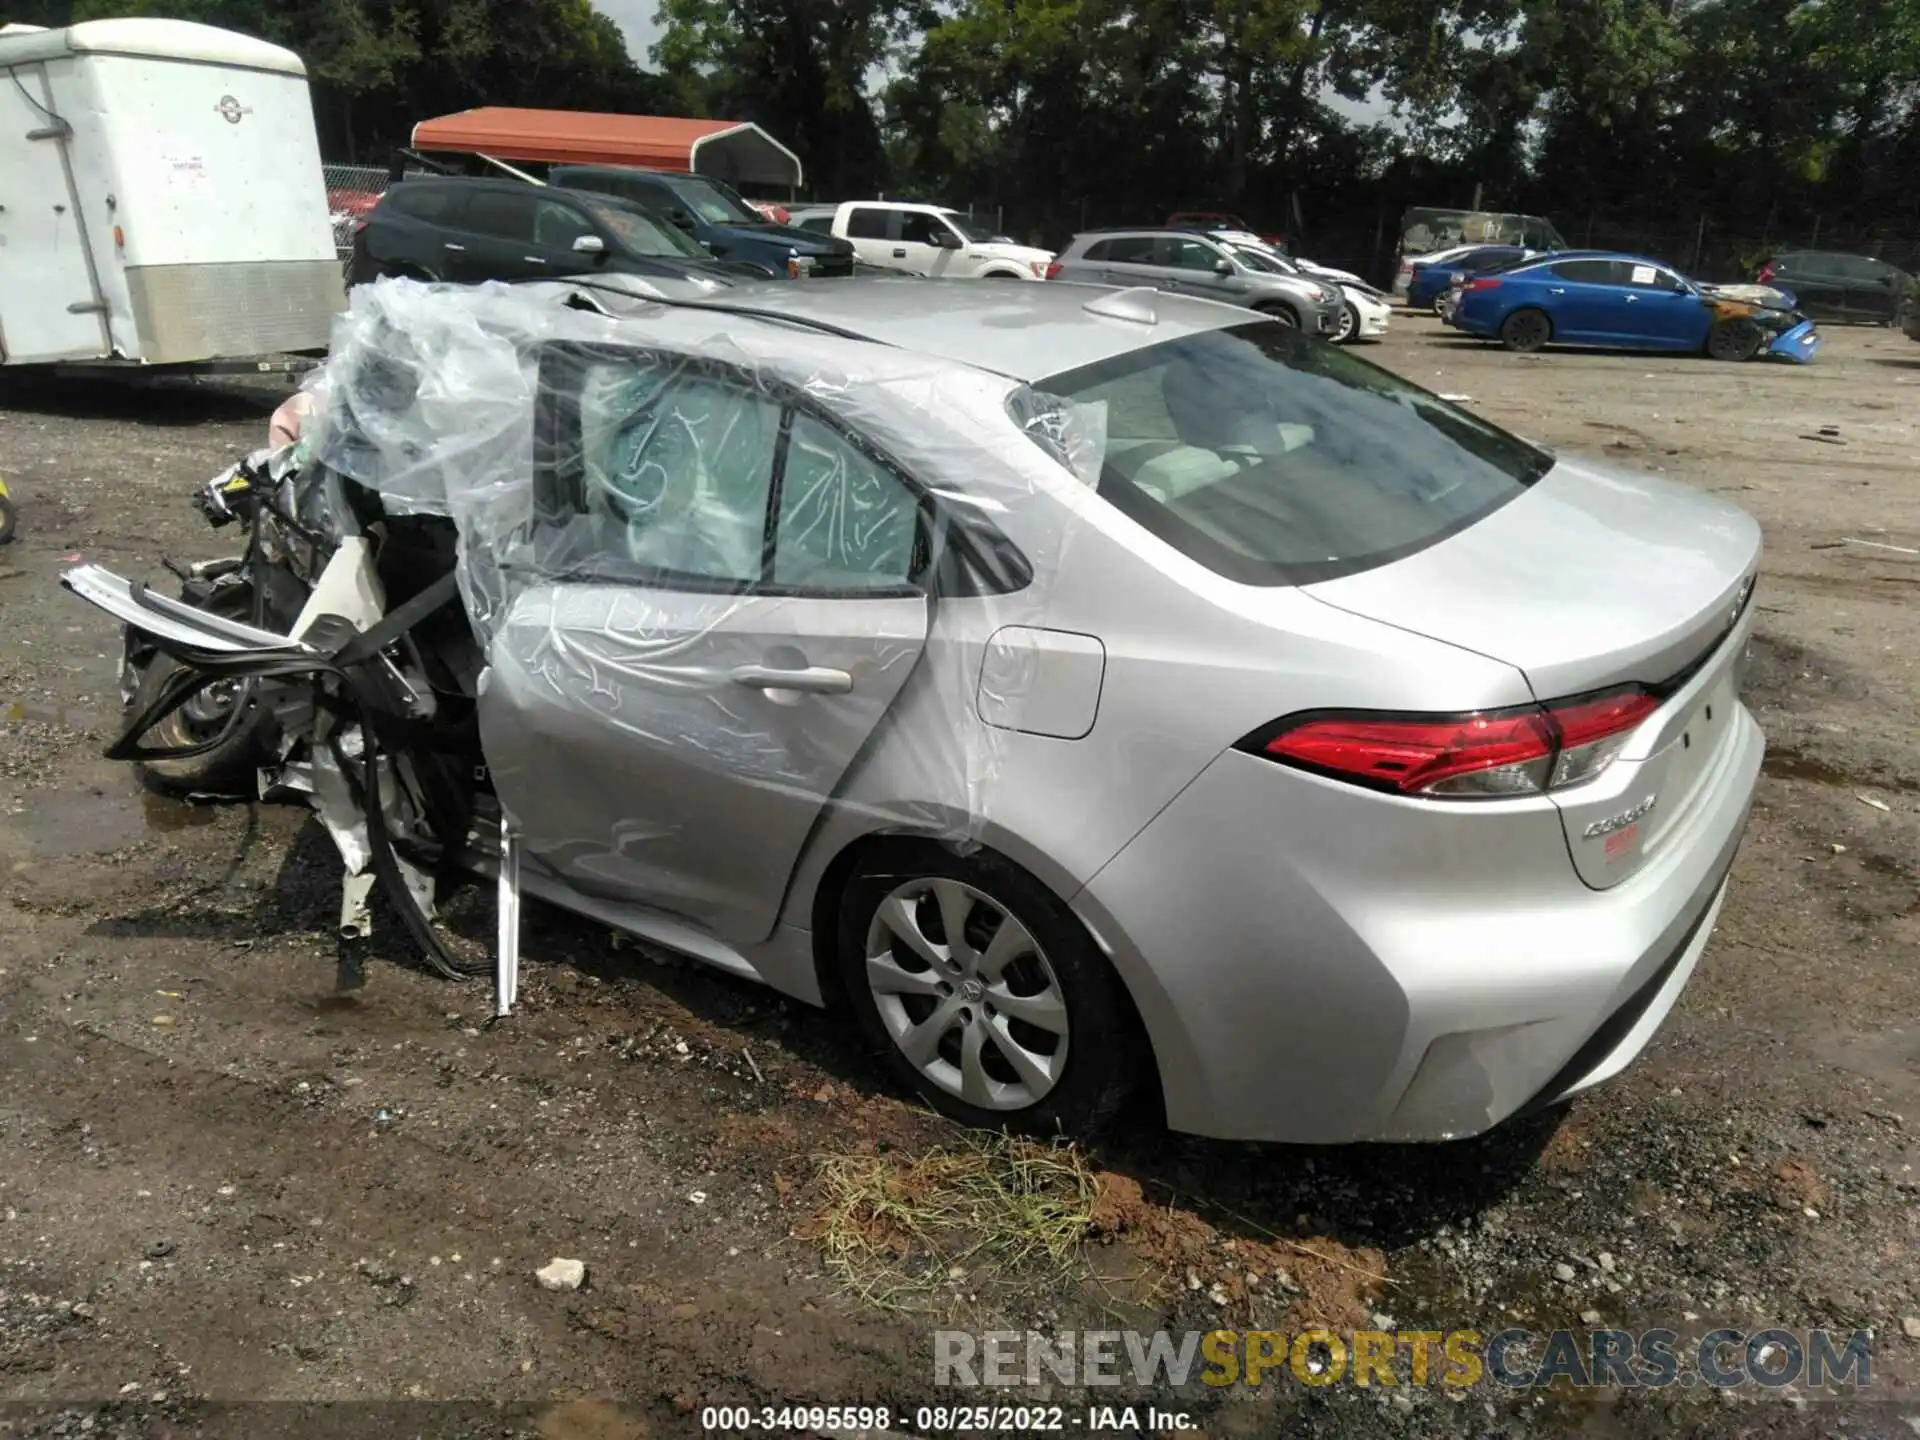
331,658
1780,331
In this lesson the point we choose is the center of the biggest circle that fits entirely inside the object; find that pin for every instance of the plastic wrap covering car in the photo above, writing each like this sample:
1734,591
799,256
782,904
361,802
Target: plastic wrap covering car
657,509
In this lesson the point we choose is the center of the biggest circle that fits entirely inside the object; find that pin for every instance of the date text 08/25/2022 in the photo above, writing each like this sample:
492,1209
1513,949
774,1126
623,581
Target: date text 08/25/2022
930,1420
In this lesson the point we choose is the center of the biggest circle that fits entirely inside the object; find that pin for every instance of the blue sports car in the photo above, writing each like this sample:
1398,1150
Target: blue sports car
1432,278
1626,302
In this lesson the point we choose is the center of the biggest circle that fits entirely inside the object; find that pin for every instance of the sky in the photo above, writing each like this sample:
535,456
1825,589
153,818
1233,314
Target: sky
635,19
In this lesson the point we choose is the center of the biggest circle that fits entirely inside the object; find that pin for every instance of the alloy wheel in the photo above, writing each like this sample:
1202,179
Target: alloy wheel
1349,322
967,994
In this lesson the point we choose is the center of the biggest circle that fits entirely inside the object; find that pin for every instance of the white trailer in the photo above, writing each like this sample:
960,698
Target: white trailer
161,198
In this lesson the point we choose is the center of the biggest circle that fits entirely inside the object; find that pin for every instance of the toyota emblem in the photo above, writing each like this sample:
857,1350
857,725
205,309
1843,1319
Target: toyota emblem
231,109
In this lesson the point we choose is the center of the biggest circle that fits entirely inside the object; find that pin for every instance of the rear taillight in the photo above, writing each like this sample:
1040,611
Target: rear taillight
1593,730
1487,755
1485,282
1053,270
360,224
1766,272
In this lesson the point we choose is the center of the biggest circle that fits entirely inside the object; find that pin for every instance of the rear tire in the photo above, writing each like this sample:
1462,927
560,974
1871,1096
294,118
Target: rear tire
1031,1029
1734,338
1526,331
9,518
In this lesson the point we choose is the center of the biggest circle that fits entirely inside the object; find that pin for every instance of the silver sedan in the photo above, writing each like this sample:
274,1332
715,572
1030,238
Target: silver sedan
1094,691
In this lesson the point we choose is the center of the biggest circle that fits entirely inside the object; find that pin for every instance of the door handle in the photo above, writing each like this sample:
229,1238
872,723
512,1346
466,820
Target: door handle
1633,299
533,259
452,246
899,253
1556,290
814,680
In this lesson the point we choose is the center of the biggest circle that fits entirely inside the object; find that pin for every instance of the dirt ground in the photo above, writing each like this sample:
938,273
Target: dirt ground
237,1198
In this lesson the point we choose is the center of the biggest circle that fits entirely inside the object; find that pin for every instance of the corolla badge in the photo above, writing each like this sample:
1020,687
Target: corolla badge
231,110
1620,821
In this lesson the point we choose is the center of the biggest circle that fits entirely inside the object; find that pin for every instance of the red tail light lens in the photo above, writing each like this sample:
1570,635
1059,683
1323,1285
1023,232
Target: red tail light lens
360,224
1766,272
1485,282
1494,754
1488,755
1593,730
1053,270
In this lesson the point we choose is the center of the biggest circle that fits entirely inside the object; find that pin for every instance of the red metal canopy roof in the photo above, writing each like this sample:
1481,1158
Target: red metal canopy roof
729,149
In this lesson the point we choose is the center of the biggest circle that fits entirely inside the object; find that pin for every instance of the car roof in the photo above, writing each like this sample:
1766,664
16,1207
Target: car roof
1025,332
1549,257
1141,230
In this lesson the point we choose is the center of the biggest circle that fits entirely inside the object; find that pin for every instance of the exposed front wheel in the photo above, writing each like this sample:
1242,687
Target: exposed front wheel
1349,325
982,992
1526,331
223,711
1735,338
1284,316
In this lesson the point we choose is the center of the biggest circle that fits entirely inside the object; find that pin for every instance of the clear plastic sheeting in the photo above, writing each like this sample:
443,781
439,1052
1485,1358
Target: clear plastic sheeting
700,547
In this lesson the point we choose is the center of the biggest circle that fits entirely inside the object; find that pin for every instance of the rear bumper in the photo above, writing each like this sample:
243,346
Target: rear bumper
1318,967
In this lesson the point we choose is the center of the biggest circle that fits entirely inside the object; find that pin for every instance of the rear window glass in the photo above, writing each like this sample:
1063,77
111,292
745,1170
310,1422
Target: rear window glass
1274,460
423,202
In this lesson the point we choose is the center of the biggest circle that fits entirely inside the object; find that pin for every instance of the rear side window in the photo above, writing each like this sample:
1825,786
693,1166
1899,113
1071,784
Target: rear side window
1273,460
1129,250
1587,272
867,222
1489,260
822,223
422,202
506,213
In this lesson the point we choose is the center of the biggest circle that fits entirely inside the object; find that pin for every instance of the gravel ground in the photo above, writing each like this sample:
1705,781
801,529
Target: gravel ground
236,1198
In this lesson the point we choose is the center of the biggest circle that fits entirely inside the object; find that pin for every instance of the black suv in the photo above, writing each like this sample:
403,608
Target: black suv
716,216
1833,286
468,230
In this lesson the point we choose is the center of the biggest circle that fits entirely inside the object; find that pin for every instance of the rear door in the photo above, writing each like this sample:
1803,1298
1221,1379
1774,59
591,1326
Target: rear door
734,599
1873,289
1129,260
871,229
1586,301
495,239
49,306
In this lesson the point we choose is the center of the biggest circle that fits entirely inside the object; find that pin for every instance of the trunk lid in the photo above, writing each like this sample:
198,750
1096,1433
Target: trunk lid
1592,578
1596,578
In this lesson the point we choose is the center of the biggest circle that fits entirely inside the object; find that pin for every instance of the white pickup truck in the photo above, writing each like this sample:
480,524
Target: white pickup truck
925,240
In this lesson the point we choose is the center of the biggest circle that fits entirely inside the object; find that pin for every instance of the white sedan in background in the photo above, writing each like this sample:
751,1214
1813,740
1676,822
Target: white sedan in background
1366,313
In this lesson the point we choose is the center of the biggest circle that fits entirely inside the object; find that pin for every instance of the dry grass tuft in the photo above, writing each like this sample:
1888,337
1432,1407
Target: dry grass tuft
912,1232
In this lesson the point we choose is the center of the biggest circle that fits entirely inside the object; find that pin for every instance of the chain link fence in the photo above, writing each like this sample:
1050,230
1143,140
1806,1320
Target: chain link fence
352,192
